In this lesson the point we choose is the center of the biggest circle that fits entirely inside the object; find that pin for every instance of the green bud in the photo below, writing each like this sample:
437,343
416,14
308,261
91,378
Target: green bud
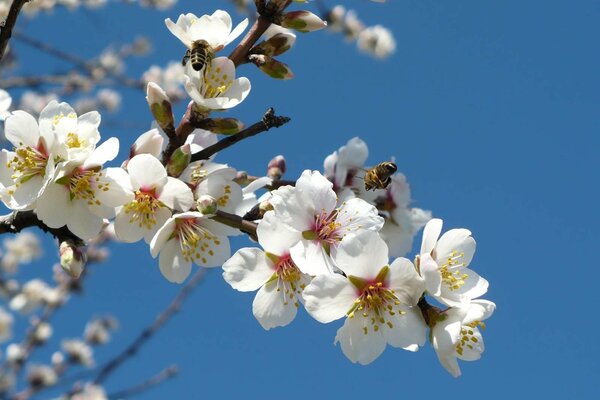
275,45
302,21
179,160
160,106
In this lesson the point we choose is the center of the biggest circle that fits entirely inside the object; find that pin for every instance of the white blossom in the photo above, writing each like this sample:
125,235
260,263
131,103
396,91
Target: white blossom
443,262
456,335
375,296
78,352
377,40
187,238
272,272
23,248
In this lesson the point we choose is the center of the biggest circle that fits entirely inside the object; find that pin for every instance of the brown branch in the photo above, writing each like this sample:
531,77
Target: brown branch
235,221
9,23
164,375
147,333
270,120
19,220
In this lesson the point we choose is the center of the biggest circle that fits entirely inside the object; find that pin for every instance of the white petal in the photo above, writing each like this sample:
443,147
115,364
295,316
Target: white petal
179,32
126,231
82,222
329,297
119,188
357,345
176,195
311,258
162,236
362,255
458,240
430,272
162,215
405,281
430,235
146,172
272,308
274,236
107,151
172,263
474,286
408,330
479,310
316,191
248,269
356,215
21,129
54,207
241,27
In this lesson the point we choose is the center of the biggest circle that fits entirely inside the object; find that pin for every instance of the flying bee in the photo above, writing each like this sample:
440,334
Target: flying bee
199,55
379,177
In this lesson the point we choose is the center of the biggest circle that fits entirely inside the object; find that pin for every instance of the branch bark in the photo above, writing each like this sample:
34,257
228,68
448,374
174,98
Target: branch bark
270,120
9,24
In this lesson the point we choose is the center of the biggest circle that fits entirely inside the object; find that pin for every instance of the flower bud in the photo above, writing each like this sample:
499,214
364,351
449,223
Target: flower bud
224,126
302,21
241,178
273,68
276,167
207,205
160,106
179,160
72,258
275,45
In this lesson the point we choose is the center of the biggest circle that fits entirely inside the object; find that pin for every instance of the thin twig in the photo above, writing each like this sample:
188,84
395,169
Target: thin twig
270,120
147,333
164,375
9,24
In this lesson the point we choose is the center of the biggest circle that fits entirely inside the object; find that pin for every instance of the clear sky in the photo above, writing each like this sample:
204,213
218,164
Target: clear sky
491,109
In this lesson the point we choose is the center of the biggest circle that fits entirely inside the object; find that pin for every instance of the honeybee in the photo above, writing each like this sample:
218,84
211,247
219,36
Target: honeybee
379,177
199,55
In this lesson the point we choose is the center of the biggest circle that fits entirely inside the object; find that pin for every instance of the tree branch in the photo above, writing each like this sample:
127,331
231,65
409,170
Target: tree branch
19,220
157,379
9,23
235,221
270,120
147,333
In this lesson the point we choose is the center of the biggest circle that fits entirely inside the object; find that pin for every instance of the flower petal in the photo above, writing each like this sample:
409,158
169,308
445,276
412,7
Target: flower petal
329,297
357,345
272,308
430,235
248,269
172,264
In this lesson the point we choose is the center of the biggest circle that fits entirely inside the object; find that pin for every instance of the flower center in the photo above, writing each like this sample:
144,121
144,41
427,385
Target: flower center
215,84
83,185
143,209
288,277
376,302
326,228
74,142
27,163
195,240
467,336
198,174
452,277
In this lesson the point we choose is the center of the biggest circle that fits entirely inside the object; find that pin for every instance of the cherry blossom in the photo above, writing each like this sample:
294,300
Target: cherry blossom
443,262
455,334
374,296
272,272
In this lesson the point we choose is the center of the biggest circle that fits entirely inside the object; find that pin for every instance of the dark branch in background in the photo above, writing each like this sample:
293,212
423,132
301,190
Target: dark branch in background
19,220
157,379
9,23
147,333
270,120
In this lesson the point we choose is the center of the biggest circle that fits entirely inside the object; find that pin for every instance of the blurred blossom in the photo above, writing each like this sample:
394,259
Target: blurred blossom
43,332
378,41
90,392
108,99
23,248
57,359
159,4
15,353
170,79
8,288
34,102
78,352
7,376
40,376
32,296
98,330
111,61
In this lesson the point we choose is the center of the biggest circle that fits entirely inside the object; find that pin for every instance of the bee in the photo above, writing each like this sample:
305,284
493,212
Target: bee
199,55
379,177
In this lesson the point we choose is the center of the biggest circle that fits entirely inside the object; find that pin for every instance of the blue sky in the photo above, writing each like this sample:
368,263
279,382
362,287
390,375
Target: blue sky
491,110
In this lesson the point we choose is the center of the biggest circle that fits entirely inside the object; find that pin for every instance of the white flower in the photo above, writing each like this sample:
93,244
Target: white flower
90,392
185,238
82,194
272,272
78,352
6,322
15,353
216,88
443,262
378,41
41,375
310,208
341,166
153,196
169,78
97,331
43,332
456,334
374,296
28,168
215,29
